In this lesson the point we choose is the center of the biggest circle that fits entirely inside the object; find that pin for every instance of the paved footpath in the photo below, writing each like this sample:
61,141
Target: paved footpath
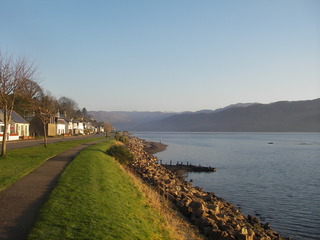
19,203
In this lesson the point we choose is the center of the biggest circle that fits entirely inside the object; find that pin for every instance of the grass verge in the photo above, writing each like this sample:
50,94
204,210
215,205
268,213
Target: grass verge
20,162
180,228
96,199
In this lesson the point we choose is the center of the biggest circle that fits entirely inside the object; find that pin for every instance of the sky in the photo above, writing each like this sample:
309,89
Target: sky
168,55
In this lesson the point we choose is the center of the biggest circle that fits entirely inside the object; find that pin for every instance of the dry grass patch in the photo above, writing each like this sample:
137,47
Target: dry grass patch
180,228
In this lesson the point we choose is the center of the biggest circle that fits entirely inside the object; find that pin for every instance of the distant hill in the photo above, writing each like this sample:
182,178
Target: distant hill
122,120
125,120
297,116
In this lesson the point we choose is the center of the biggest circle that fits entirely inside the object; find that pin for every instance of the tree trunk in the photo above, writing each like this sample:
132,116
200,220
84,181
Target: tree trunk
45,135
5,132
4,143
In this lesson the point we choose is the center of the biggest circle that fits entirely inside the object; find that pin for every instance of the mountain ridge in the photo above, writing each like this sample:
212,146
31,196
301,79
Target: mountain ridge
128,120
282,116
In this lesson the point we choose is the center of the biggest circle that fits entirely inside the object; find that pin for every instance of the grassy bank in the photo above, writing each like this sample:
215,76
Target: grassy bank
20,162
96,199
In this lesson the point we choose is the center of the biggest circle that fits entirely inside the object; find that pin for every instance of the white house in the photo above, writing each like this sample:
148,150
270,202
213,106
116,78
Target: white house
18,127
89,128
2,129
21,126
80,128
69,128
64,125
61,126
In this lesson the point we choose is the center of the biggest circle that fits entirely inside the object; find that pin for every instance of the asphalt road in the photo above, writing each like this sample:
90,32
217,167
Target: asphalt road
29,143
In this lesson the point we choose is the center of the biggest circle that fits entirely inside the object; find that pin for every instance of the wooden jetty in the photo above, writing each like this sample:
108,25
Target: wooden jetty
187,167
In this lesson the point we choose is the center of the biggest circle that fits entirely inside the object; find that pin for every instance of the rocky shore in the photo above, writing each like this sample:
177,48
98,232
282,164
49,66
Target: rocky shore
215,218
153,147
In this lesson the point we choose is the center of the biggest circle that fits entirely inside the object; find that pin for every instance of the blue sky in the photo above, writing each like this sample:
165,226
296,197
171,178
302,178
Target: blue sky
168,55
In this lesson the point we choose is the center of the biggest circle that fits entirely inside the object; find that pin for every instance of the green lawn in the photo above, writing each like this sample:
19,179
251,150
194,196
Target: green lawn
96,199
20,162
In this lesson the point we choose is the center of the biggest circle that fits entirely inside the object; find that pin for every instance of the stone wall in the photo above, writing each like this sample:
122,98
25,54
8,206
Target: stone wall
215,218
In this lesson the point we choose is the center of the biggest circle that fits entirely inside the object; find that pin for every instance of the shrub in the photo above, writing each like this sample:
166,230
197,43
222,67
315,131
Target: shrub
120,138
121,154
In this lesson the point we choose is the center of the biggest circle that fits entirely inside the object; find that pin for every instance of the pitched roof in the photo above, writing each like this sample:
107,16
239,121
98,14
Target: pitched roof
15,117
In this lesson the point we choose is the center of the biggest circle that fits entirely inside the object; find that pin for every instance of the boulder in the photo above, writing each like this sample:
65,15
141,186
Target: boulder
215,208
198,213
253,219
186,211
266,226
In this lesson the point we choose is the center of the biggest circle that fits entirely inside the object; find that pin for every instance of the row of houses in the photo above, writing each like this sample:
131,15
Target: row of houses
60,125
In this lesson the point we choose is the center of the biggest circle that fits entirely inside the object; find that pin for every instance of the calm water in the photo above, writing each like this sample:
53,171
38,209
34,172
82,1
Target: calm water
279,182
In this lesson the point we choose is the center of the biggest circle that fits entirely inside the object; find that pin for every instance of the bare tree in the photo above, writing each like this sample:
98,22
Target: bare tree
25,103
107,128
15,72
46,111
